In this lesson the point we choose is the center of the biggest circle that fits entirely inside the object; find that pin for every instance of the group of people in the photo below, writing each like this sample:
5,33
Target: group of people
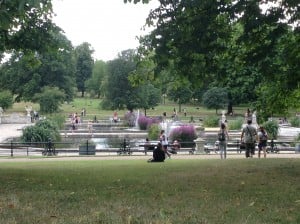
249,137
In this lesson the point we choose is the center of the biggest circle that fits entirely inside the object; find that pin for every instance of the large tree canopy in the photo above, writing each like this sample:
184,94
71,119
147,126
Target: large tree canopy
120,93
25,74
235,44
26,25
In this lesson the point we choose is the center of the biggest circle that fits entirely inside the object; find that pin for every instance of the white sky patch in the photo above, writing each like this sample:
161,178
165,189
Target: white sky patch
110,26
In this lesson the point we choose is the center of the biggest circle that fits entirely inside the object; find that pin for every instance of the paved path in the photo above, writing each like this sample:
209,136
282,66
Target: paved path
10,131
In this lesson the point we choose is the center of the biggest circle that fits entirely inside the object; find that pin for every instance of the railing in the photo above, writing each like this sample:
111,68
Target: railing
272,146
20,149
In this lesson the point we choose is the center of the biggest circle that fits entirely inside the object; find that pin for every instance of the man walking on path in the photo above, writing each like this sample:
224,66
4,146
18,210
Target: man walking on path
249,136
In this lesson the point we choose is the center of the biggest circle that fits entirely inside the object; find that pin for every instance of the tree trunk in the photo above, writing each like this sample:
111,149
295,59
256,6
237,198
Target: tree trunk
229,108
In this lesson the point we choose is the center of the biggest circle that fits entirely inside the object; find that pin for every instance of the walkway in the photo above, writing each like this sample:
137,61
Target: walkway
11,131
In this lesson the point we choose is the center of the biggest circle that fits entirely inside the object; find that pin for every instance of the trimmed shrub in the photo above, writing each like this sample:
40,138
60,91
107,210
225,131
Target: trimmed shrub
211,121
185,134
42,131
295,122
6,99
272,129
236,124
153,131
145,122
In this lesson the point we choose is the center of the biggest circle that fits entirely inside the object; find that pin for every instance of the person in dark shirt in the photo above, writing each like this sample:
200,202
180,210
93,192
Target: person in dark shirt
158,154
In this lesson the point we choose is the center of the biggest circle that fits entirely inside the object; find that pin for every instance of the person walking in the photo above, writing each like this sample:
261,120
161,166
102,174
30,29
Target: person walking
223,136
262,141
164,141
249,136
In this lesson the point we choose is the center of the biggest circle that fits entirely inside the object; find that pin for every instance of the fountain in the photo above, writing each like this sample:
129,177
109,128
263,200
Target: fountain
223,118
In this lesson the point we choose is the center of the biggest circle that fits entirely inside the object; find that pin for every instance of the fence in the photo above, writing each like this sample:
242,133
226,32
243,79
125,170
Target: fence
20,149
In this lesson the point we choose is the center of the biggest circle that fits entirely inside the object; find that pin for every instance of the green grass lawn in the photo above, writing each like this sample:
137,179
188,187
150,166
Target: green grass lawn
134,191
93,108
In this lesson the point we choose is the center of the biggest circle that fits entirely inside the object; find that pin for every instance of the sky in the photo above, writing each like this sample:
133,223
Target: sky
110,26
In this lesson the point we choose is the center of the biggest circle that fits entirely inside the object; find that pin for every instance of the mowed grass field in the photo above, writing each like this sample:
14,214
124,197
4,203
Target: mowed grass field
93,109
134,191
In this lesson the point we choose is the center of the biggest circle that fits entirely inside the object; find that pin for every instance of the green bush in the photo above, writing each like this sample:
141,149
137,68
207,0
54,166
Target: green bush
153,131
295,122
236,124
272,129
58,119
6,99
42,131
50,99
211,121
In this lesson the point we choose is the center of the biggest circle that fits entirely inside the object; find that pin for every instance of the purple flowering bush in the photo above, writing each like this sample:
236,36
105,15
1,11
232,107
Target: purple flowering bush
145,122
185,134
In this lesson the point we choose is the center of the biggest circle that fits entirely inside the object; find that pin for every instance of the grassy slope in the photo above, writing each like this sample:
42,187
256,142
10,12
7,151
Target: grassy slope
177,191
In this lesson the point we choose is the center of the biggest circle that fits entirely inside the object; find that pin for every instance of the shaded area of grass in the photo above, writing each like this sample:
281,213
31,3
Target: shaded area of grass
177,191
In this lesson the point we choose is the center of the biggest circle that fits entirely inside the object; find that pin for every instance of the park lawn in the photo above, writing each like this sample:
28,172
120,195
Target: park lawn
134,191
93,109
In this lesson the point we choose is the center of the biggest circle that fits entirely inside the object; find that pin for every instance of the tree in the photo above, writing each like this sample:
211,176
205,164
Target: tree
237,44
84,65
26,73
215,98
6,99
26,25
50,99
180,92
148,97
189,34
96,83
120,93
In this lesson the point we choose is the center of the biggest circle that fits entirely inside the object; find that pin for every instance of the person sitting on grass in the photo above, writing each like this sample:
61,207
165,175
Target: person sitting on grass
175,147
158,154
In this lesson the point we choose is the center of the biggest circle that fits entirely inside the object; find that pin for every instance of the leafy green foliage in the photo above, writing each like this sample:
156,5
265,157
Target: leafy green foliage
42,131
26,25
215,98
295,121
232,44
148,96
272,129
50,99
6,99
84,65
58,119
25,74
120,93
180,92
211,121
96,83
153,131
236,124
